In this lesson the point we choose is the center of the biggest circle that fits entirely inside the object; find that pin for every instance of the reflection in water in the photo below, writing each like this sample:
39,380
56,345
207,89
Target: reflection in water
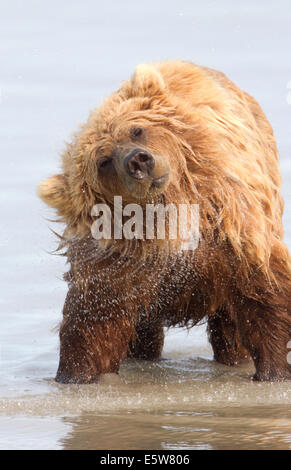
227,428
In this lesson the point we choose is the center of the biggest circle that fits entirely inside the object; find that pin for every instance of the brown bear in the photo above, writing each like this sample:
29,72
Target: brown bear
175,133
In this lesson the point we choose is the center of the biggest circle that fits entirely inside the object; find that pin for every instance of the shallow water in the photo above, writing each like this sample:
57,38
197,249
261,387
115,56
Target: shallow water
184,401
59,61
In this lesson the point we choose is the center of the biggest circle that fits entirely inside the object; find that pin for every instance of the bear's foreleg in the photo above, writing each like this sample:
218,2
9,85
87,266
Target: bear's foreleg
92,342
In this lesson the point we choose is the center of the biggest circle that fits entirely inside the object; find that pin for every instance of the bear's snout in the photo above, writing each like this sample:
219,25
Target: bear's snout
139,163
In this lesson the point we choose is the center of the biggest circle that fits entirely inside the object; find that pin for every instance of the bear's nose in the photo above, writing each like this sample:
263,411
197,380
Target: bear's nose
139,163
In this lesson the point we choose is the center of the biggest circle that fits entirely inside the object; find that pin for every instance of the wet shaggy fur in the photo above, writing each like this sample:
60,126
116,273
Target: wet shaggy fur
222,155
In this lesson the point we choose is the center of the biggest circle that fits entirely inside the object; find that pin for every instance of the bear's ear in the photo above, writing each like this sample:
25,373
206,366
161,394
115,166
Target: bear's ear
148,81
53,191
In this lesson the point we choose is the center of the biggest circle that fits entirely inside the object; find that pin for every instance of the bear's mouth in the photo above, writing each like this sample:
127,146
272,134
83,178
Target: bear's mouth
159,182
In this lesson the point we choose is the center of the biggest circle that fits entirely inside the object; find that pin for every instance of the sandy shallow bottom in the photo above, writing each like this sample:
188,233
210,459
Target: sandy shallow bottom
183,401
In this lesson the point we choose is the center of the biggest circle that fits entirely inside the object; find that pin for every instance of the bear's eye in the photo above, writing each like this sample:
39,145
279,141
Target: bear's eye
104,163
136,132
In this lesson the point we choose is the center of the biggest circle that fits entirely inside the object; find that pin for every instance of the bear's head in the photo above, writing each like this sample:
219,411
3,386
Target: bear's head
128,148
